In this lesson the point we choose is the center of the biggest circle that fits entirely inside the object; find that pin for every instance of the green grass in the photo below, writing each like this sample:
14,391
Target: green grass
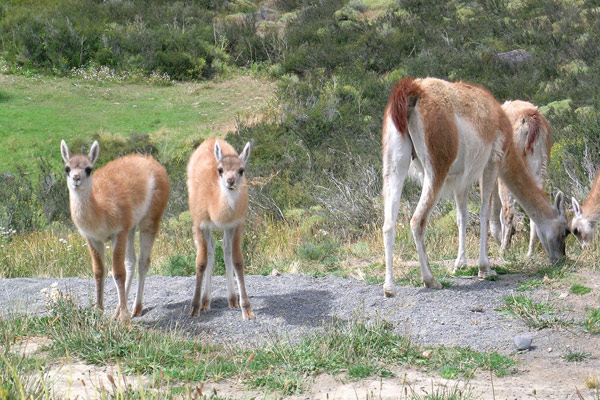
529,284
534,314
592,324
357,349
446,392
455,362
412,277
36,113
576,356
580,289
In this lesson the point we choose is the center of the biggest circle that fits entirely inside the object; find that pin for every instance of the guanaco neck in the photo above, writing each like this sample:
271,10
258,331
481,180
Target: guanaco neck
591,207
84,206
516,177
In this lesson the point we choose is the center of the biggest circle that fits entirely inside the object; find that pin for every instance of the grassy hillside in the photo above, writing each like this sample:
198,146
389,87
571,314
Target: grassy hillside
36,113
316,162
307,81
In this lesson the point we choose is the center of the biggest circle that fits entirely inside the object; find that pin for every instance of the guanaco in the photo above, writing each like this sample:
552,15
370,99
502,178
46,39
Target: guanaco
218,199
533,139
454,134
583,224
126,194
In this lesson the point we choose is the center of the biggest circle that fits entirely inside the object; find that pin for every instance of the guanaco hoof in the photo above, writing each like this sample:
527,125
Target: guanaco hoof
433,284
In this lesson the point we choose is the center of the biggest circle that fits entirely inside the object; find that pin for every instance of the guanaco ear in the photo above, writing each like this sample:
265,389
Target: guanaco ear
218,152
94,151
245,155
64,151
576,207
559,203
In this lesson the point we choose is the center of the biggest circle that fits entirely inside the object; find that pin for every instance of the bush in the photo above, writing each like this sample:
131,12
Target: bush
58,36
181,265
185,265
20,207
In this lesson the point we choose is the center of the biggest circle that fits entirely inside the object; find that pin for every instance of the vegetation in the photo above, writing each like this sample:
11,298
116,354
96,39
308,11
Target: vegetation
538,315
576,356
172,360
592,324
580,289
307,82
321,146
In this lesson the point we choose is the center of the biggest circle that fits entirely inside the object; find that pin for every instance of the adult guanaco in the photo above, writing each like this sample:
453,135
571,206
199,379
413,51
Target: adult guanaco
126,194
454,134
533,140
218,199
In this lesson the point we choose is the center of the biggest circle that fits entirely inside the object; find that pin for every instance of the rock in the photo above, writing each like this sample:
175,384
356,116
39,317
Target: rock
427,354
514,57
523,342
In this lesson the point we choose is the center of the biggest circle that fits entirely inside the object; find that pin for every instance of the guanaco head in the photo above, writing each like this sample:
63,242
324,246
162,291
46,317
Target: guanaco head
583,228
231,167
553,237
78,167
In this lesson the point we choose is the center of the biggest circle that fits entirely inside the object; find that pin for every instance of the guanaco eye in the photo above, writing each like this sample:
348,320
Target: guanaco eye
67,169
88,171
220,171
241,171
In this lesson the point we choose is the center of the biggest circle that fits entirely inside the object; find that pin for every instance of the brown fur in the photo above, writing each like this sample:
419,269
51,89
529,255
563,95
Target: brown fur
529,127
212,209
105,210
513,173
591,206
115,193
205,200
446,115
398,103
519,111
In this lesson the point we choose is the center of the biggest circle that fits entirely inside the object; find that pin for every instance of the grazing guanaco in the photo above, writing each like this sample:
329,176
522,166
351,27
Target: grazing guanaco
583,224
218,199
126,194
533,140
454,134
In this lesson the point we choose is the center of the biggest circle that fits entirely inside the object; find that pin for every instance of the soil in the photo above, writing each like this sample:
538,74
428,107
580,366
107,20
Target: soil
291,306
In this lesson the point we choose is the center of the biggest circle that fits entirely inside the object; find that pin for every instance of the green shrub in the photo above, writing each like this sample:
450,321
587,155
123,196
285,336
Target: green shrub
185,265
314,250
181,265
58,36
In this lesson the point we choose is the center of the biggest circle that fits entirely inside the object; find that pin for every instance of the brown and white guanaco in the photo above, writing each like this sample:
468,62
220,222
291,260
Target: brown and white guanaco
533,140
126,194
454,134
218,199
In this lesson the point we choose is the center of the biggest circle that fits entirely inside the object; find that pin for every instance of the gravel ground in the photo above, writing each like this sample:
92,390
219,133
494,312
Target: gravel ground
291,306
